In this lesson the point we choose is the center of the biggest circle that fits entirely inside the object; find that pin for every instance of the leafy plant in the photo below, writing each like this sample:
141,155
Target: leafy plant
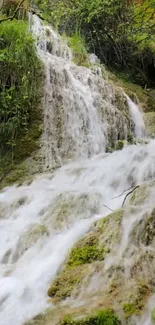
21,81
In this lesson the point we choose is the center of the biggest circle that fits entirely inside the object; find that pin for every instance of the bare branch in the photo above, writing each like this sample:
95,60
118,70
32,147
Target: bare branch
122,193
129,194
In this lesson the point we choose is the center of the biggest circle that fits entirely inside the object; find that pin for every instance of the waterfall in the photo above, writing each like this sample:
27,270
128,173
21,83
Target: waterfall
137,118
83,113
40,222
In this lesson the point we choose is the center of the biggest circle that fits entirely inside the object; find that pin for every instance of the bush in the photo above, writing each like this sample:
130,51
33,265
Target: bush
21,82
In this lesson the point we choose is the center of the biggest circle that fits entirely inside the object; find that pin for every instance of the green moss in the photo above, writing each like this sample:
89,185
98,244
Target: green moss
104,317
18,174
86,252
115,216
77,45
153,315
140,195
150,123
137,301
129,309
64,284
119,145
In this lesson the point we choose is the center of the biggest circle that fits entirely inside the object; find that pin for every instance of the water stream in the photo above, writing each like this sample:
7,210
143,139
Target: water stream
40,222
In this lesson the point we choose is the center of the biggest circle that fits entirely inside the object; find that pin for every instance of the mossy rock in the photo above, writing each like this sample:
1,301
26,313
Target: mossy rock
150,123
87,251
130,309
153,316
103,317
137,301
110,229
119,145
29,238
148,233
64,284
140,195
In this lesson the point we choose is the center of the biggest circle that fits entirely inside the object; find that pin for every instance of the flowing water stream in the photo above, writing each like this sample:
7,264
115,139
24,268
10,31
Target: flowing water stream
41,222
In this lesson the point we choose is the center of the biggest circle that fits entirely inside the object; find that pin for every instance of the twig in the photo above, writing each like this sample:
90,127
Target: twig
122,193
107,207
129,194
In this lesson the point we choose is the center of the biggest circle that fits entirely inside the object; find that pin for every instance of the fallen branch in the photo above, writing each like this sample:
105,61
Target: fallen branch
129,194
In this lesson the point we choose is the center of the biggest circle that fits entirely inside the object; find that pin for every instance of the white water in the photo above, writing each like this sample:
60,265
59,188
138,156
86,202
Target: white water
137,118
81,112
68,201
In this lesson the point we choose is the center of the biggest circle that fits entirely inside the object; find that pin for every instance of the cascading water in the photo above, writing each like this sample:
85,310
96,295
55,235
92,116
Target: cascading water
40,222
137,118
82,116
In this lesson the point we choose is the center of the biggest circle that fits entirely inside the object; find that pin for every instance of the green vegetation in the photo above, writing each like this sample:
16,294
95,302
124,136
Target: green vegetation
104,317
119,32
129,309
78,47
86,252
153,315
64,284
21,83
119,145
137,301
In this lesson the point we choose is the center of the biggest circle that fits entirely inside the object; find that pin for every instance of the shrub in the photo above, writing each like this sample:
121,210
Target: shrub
21,82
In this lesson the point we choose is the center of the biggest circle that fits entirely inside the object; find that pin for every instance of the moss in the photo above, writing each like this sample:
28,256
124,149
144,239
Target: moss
150,123
114,216
86,252
103,317
119,145
129,309
80,55
153,315
137,301
148,231
64,284
18,174
140,195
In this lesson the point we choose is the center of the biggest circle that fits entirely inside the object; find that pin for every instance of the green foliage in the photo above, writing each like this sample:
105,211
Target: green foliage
104,317
20,93
153,315
70,277
119,145
122,35
129,309
86,253
77,45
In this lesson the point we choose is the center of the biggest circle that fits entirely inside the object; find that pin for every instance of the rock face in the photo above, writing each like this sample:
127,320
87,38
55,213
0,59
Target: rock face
150,123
